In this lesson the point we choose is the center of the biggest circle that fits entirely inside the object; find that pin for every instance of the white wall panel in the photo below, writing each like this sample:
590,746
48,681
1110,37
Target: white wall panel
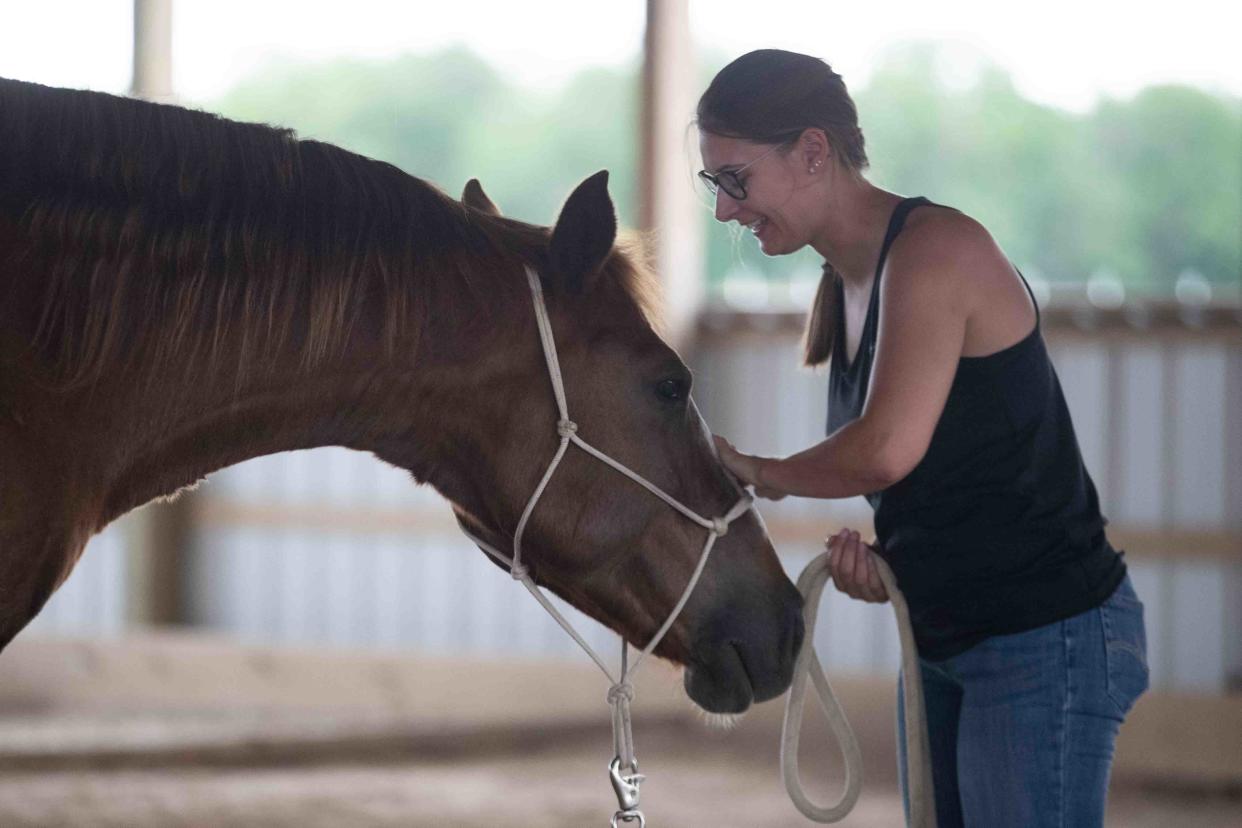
1198,632
1197,485
1083,371
1141,493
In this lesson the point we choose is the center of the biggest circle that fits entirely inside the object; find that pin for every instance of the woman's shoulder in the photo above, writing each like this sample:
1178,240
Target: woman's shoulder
958,254
938,233
940,239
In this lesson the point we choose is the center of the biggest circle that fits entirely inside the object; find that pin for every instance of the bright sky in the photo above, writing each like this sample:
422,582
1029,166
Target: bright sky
1065,53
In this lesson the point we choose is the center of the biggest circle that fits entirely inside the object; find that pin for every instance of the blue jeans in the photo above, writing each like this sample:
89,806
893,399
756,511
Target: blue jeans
1022,726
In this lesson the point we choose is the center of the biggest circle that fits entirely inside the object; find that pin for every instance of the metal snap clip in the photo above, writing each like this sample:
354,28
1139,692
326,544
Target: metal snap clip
625,786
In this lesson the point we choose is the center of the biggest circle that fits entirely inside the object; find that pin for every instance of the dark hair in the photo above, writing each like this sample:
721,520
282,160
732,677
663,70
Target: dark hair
771,96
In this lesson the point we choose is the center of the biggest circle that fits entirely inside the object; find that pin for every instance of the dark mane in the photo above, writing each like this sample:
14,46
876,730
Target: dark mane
145,211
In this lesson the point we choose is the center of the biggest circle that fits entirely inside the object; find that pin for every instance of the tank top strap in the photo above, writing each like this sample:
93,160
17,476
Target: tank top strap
1034,301
895,224
838,322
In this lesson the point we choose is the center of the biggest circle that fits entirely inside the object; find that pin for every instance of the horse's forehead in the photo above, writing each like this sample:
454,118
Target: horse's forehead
637,341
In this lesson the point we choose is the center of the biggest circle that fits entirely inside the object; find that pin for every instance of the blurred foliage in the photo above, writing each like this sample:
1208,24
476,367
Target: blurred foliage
1143,189
449,117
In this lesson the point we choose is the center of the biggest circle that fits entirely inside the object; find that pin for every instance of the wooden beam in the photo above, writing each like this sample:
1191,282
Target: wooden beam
670,213
1165,321
1139,543
160,541
152,75
220,512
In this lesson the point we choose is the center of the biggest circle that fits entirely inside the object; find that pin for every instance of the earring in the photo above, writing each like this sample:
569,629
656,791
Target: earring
815,166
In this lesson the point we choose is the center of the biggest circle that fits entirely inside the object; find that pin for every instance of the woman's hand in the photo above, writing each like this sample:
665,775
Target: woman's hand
852,564
745,467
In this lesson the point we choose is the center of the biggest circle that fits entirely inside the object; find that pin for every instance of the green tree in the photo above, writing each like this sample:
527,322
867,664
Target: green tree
1175,155
449,116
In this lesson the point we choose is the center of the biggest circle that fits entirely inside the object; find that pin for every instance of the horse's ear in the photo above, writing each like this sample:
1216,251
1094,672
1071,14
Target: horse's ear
584,234
473,196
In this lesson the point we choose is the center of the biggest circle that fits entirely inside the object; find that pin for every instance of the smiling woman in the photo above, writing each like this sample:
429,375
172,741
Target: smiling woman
771,101
945,411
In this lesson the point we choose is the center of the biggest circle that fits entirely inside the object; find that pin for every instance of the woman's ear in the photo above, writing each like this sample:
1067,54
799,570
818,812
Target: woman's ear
815,149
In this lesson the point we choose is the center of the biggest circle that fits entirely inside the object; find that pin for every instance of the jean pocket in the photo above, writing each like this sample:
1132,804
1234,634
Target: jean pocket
1125,647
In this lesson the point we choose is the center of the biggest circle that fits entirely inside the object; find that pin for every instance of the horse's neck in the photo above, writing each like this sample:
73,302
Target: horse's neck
148,431
175,446
164,421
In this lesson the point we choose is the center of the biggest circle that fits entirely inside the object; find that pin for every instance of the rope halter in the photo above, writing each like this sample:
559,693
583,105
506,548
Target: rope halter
623,770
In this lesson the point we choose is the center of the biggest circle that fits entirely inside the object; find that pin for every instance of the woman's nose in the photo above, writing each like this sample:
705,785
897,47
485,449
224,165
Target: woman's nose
726,206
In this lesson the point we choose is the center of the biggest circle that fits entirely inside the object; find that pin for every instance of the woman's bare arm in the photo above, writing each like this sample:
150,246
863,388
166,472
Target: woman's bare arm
925,301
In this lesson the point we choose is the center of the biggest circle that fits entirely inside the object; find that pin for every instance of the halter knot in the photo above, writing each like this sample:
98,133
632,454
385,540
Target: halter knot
617,692
519,572
566,427
720,526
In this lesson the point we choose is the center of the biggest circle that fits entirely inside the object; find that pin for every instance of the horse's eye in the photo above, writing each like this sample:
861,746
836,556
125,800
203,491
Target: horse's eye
672,390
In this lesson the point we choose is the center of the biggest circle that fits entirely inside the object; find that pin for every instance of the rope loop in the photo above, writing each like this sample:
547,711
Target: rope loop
720,526
519,572
565,428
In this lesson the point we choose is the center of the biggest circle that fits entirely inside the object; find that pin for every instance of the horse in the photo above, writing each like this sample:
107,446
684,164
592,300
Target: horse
180,292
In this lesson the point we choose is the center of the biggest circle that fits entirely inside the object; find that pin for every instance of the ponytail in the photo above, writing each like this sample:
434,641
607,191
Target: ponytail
821,322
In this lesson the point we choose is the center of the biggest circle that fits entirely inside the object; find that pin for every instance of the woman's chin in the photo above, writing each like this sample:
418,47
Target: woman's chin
768,246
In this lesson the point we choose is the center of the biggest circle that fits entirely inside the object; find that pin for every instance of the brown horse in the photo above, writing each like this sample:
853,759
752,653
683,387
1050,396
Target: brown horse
179,293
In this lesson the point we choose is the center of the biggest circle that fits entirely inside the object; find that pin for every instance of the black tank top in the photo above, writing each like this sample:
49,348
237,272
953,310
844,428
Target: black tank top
998,528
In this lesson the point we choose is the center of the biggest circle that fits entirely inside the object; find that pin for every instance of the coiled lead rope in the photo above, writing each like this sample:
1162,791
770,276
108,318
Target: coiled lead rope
918,755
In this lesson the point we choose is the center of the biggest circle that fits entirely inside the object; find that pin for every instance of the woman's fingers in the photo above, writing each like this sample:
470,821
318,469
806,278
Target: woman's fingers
833,545
862,589
849,564
852,567
742,466
842,562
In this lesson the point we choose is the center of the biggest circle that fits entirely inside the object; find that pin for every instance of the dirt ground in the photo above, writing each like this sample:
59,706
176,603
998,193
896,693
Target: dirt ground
696,779
168,731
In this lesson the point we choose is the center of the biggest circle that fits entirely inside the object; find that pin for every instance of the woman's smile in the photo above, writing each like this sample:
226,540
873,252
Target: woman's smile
760,228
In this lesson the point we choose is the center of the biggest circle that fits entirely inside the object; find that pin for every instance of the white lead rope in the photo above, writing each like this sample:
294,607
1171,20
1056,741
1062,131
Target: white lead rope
918,755
624,768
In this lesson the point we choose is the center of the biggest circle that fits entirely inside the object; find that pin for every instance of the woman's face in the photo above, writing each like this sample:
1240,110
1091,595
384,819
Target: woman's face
772,208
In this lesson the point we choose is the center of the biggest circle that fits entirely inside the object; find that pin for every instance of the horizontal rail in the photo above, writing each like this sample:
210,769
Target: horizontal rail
1166,320
1152,544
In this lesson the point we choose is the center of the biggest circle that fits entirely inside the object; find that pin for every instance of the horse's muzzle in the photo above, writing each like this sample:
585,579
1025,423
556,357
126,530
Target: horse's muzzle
745,651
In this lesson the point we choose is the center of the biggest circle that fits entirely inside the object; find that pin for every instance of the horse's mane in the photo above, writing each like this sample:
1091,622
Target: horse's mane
148,211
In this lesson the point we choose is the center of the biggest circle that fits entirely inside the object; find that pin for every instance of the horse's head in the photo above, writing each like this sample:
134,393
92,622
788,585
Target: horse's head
598,539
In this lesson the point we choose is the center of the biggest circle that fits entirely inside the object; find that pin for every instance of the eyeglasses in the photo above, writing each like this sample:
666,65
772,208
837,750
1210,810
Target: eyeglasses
728,181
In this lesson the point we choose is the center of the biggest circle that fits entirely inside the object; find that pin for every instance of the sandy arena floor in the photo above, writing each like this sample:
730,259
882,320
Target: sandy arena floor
696,779
171,730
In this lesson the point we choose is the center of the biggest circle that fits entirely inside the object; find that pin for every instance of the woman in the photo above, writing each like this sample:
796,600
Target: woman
944,410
